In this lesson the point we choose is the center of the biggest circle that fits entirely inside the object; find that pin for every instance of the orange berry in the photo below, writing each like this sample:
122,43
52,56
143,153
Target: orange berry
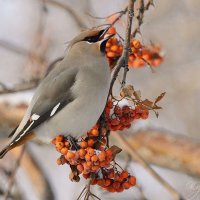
64,150
59,138
111,174
102,156
133,50
94,158
114,48
114,122
120,189
131,57
103,164
90,151
120,49
111,189
111,30
100,182
95,168
124,175
91,142
116,185
145,114
109,152
109,104
114,40
83,144
126,185
82,152
94,132
107,182
118,178
110,54
67,144
58,161
76,155
70,155
132,180
125,109
136,43
59,145
108,44
80,168
86,176
89,164
53,141
87,157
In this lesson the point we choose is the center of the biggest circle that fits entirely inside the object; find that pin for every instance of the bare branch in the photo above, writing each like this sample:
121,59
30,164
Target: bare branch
20,87
139,15
12,177
14,48
28,85
127,147
79,21
123,60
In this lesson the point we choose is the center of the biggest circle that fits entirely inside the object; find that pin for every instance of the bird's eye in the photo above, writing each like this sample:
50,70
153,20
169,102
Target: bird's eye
95,38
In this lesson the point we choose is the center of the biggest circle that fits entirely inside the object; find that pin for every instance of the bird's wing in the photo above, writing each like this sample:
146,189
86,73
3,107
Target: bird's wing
53,94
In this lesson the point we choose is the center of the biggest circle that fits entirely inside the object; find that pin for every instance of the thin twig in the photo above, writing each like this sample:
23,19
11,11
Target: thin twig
28,85
139,15
79,21
140,160
121,13
122,62
128,38
14,171
13,47
24,86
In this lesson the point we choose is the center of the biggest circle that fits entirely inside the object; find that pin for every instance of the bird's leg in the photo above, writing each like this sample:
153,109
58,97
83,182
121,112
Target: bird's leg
73,142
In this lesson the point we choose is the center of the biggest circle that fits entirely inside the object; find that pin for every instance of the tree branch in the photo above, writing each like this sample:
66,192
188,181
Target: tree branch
139,15
14,171
127,147
79,21
123,60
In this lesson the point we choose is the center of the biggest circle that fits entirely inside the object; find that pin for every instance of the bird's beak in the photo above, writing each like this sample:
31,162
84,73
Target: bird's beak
103,33
103,43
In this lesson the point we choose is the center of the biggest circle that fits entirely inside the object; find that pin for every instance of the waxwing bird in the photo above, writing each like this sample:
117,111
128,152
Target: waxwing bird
71,98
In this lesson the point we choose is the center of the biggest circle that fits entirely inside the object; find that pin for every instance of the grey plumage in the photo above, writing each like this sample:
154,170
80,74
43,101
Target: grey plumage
71,98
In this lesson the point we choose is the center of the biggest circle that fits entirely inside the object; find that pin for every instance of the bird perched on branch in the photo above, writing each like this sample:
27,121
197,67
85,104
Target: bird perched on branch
71,98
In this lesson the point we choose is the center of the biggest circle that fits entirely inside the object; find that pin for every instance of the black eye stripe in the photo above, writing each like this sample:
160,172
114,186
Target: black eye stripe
94,38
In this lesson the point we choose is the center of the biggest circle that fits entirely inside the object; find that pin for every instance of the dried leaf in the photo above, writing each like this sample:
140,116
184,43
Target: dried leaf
127,91
155,107
137,94
73,176
115,150
147,103
159,97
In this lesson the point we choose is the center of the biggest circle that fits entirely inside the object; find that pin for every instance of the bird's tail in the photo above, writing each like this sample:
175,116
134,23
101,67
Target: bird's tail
4,151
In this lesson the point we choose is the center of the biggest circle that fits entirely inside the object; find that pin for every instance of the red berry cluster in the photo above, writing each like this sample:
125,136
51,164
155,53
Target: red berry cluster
112,180
139,56
93,160
122,117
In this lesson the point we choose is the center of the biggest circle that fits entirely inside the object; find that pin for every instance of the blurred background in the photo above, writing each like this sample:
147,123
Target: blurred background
33,33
